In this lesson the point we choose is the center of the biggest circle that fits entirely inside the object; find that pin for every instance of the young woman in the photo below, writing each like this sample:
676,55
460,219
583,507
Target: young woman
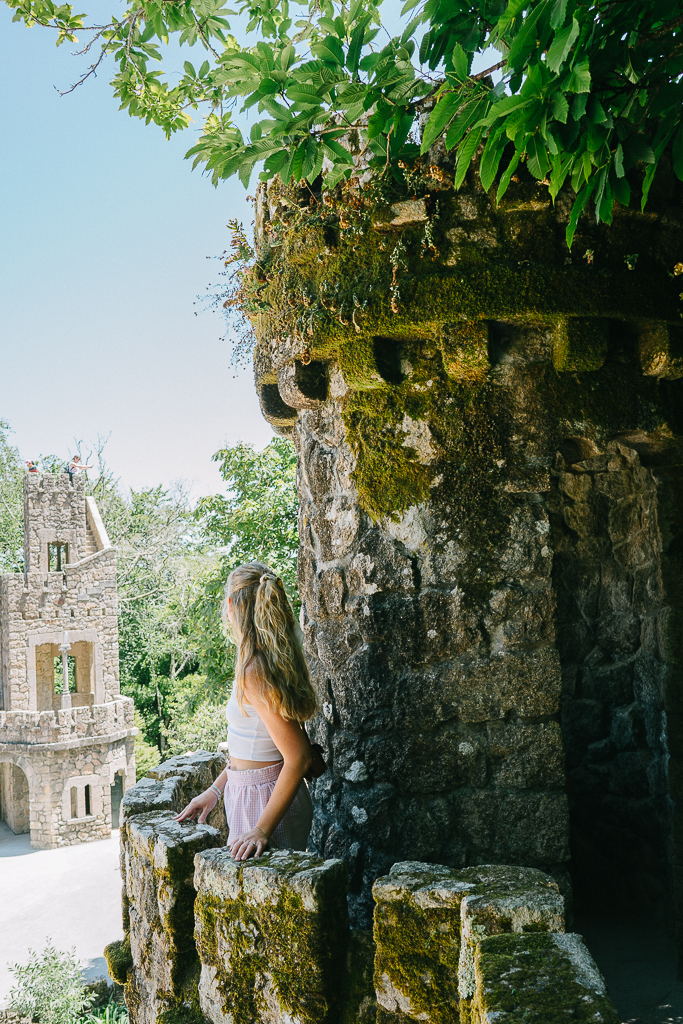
266,797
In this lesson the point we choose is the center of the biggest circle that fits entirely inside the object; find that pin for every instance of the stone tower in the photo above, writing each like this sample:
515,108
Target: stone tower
490,440
66,734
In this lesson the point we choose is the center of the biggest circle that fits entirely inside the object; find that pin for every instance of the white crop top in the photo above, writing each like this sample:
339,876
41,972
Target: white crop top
248,738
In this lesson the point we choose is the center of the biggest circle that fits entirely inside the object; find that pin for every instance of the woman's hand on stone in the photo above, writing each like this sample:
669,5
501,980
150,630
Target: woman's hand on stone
202,805
249,844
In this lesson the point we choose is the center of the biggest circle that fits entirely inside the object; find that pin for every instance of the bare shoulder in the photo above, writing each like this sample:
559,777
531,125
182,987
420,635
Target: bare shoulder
252,684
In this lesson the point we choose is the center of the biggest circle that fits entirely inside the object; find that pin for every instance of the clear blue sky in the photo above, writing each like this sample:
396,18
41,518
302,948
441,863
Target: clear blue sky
104,235
105,232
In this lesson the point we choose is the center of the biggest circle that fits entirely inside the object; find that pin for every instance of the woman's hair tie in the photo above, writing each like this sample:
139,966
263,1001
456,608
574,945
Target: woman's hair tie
265,577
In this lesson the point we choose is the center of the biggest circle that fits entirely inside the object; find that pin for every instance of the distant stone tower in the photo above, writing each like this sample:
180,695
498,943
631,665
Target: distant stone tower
66,734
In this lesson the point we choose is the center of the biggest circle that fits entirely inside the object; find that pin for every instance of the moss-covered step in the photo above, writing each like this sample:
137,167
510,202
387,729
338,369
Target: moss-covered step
538,979
157,861
420,966
272,937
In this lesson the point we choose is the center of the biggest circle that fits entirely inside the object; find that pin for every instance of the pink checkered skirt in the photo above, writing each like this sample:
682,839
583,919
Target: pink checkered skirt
246,795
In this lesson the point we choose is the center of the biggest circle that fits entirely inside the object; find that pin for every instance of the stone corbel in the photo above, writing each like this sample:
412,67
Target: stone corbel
580,343
660,347
303,385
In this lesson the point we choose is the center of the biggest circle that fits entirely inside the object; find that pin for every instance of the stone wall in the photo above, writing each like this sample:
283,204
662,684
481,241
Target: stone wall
619,638
54,510
440,360
54,753
268,941
37,610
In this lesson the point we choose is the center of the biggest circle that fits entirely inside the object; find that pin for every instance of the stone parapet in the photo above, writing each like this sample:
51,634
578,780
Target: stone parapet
30,728
268,942
272,936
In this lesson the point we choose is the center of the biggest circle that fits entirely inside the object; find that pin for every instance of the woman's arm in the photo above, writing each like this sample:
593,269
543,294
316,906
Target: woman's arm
292,742
203,804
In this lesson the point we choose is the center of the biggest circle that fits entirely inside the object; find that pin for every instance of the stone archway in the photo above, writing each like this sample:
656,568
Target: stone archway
15,802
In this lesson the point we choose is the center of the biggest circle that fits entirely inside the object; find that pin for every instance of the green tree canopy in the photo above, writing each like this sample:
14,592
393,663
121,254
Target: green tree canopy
586,89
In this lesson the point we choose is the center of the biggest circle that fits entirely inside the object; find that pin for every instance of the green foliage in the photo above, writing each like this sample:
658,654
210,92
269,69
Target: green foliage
146,755
587,90
111,1013
196,722
255,521
49,987
11,505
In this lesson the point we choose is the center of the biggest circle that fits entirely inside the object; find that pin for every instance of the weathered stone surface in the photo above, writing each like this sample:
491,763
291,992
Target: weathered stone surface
272,937
157,860
539,979
429,921
611,602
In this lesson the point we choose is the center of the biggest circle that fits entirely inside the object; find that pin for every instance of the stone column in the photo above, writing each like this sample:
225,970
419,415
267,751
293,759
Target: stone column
448,371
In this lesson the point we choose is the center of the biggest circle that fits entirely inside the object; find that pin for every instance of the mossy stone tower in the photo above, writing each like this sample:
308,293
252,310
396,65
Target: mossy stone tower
491,479
66,734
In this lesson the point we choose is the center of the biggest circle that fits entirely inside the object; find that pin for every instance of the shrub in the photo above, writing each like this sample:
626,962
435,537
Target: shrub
49,987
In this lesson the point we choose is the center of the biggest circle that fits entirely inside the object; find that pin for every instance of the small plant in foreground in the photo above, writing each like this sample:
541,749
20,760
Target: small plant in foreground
111,1013
50,987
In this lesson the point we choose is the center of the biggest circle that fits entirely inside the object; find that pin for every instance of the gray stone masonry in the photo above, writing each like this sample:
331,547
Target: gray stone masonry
489,432
267,941
61,753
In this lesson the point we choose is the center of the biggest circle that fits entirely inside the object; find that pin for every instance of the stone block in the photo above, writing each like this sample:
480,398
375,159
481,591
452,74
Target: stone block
580,343
538,979
272,937
157,867
660,347
464,348
527,682
429,920
525,756
172,784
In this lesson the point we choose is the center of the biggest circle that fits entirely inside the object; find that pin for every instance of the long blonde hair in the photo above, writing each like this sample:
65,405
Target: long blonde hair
268,638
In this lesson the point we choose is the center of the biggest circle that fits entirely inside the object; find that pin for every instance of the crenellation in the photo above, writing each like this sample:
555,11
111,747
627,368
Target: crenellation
74,750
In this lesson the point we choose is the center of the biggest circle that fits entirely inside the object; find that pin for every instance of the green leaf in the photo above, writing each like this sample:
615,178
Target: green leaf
465,154
560,107
303,94
469,115
506,177
677,154
577,210
637,150
439,118
330,50
461,63
622,191
562,44
558,15
537,157
561,166
336,150
578,79
491,157
356,45
619,161
287,56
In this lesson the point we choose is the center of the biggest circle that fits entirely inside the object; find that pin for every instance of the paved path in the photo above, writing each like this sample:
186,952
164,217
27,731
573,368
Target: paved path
71,895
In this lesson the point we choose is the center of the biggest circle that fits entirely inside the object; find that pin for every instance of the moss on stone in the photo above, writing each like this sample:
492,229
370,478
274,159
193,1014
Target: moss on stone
281,941
119,959
417,951
333,286
528,978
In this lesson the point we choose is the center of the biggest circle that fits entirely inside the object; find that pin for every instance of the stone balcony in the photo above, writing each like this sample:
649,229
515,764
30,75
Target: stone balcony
67,727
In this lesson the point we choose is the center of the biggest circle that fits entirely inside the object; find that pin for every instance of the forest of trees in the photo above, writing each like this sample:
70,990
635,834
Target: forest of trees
174,557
